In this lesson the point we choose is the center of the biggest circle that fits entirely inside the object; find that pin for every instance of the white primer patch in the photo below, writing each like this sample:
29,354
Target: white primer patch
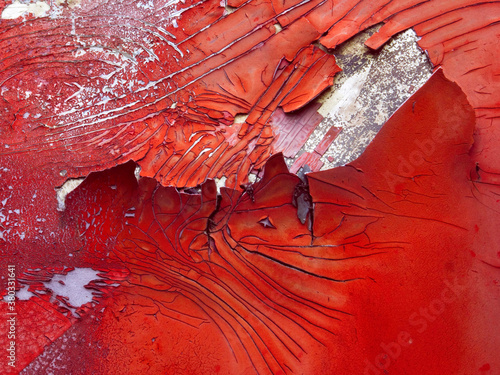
73,285
64,190
240,118
17,9
23,294
137,172
220,182
344,99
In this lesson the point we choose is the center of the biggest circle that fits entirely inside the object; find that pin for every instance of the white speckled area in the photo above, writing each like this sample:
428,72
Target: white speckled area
371,87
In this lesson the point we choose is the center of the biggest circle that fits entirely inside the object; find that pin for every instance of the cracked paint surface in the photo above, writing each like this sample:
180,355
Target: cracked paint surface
364,268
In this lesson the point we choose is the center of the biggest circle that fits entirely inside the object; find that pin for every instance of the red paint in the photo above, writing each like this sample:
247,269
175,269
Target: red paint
327,140
82,117
213,287
485,367
311,159
203,283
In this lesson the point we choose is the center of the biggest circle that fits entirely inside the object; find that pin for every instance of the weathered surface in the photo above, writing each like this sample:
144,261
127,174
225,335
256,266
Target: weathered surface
371,87
97,85
242,286
280,276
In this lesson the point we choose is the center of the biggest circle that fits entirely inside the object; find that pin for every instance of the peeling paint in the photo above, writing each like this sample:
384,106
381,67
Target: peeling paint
72,285
371,87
